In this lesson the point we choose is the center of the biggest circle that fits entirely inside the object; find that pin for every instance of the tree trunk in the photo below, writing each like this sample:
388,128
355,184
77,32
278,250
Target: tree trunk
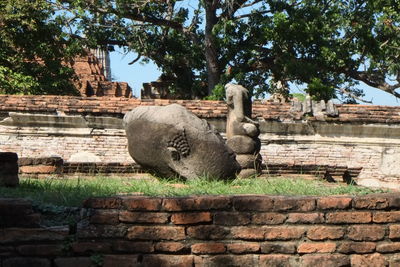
211,51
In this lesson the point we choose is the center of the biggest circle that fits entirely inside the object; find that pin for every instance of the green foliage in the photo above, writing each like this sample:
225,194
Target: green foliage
33,48
72,192
300,97
320,90
218,93
328,45
97,259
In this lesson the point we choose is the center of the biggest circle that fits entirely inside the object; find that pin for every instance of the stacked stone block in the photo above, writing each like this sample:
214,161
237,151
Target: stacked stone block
241,131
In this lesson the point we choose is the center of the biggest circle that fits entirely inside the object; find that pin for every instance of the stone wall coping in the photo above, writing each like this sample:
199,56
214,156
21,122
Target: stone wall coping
118,106
246,202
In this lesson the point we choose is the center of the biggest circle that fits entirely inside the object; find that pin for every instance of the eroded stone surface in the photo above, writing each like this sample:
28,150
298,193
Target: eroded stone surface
172,141
242,132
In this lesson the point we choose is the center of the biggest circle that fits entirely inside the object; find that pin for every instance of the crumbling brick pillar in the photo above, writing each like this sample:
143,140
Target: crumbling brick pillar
8,169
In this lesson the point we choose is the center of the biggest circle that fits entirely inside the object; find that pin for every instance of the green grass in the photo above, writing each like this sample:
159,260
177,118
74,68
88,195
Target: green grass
72,192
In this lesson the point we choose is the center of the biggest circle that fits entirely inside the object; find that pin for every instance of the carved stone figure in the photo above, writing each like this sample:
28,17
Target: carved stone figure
172,141
241,131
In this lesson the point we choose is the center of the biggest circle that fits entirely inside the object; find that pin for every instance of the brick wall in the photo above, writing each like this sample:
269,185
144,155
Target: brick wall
366,137
216,231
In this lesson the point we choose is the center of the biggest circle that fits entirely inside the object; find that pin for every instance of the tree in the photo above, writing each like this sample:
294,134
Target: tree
330,45
34,51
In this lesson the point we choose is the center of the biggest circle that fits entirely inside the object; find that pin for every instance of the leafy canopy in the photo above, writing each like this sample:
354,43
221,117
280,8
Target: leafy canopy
33,48
332,46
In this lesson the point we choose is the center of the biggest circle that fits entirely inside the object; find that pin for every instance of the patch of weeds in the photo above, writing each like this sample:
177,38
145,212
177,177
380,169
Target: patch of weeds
67,244
58,196
97,259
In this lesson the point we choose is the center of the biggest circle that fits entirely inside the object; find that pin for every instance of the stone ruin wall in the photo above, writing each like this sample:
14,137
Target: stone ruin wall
204,231
90,129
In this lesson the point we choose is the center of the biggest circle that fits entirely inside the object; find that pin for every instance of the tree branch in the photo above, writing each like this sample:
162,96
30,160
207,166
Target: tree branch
346,92
376,80
135,60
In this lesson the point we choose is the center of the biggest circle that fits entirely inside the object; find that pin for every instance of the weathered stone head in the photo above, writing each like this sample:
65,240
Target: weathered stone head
172,141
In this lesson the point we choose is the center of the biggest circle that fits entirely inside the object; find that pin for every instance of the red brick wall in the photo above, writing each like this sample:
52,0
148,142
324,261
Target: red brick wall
218,231
207,109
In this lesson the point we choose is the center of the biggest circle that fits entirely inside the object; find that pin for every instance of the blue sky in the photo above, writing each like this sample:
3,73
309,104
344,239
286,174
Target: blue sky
137,74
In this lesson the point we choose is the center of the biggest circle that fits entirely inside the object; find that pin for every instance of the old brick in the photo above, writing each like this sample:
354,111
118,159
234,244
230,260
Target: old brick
371,260
31,262
253,203
283,233
208,248
21,220
394,200
15,207
325,232
156,232
203,232
268,218
278,247
121,261
294,203
356,247
196,203
369,202
388,247
243,247
310,260
90,247
130,246
53,161
100,216
9,169
191,217
386,217
325,203
142,203
305,218
394,231
6,249
172,247
103,203
226,260
40,250
103,231
167,260
278,260
11,235
38,169
232,218
366,232
326,247
394,260
143,217
248,233
348,217
75,262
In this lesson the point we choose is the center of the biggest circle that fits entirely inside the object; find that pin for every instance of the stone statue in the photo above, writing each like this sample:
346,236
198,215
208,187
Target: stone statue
241,131
171,141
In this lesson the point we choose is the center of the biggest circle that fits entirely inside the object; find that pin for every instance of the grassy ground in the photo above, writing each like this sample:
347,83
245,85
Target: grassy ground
71,192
